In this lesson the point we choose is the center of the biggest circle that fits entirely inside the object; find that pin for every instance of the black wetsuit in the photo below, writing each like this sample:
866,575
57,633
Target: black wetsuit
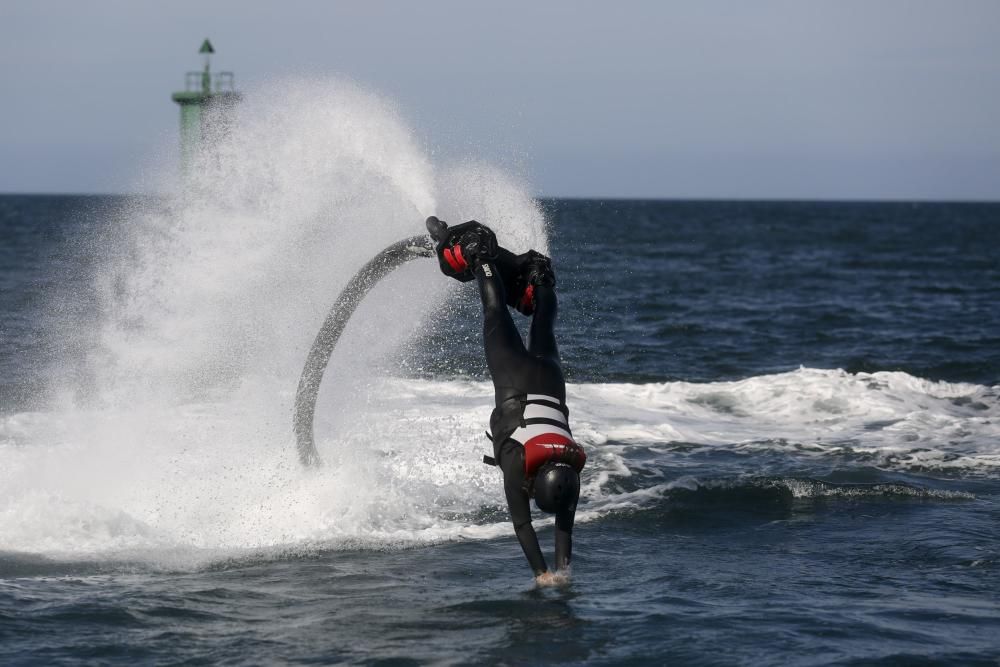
518,371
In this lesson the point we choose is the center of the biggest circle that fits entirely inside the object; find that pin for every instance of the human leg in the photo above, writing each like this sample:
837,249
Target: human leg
504,348
542,337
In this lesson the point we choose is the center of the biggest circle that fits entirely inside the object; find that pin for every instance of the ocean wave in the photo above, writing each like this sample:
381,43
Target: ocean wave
890,419
209,481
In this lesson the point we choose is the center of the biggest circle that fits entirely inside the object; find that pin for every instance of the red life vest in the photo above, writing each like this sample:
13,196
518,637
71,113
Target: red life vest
543,449
545,435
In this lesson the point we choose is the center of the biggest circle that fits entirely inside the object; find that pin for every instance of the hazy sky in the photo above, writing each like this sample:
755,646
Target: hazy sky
700,98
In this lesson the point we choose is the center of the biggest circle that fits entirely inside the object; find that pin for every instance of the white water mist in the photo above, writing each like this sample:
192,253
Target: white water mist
180,438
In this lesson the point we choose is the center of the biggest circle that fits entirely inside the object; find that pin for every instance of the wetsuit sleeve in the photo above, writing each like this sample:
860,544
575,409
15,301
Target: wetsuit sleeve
564,535
512,464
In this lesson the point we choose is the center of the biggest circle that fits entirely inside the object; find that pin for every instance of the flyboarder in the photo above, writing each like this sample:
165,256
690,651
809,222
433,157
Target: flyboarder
532,441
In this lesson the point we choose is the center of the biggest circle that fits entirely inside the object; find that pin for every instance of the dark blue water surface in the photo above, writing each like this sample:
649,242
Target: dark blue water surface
724,290
753,552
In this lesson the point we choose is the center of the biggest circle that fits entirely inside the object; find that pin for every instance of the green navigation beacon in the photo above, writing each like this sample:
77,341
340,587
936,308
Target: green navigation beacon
206,102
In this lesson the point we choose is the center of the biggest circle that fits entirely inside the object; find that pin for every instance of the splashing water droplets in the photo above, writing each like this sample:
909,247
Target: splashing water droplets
180,438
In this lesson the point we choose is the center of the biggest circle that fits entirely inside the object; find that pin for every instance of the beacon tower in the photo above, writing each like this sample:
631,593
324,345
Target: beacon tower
206,103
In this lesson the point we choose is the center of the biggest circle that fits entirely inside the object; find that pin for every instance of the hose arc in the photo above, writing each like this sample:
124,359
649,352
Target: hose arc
336,320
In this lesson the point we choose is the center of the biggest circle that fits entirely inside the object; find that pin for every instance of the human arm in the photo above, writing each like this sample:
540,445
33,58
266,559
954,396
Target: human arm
512,464
564,537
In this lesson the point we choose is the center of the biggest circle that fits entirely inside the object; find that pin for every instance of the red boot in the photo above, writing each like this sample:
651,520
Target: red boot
461,246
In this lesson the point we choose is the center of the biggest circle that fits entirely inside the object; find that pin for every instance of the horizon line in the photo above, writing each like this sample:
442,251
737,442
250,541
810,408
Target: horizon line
614,198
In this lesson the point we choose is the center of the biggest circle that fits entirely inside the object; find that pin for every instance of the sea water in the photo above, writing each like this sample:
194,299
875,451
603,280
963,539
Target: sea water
791,412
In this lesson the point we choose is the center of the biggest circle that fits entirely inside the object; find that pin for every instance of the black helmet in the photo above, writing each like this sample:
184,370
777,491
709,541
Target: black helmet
556,487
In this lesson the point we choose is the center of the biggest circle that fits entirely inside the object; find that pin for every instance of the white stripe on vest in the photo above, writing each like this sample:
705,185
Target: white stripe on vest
548,407
535,411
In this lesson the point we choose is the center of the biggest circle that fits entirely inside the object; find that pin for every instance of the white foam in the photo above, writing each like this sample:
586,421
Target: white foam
887,415
222,478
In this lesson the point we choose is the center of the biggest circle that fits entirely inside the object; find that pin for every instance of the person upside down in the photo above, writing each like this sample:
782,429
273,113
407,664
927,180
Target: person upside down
532,441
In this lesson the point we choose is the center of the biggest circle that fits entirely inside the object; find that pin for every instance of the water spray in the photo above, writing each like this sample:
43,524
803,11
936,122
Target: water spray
350,297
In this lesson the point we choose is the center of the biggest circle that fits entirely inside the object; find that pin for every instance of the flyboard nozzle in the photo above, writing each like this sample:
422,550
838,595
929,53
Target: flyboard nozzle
437,228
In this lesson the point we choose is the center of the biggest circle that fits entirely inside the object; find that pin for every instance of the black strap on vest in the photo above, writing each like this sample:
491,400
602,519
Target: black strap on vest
489,460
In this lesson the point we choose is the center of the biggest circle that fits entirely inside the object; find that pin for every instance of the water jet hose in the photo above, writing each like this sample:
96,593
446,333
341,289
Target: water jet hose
336,320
